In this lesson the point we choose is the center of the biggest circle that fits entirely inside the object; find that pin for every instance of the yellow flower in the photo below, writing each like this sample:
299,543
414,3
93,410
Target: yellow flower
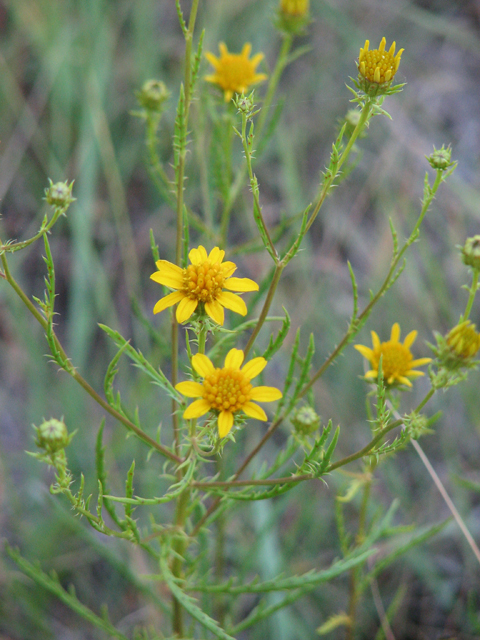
463,340
397,359
294,7
202,282
227,390
234,72
379,65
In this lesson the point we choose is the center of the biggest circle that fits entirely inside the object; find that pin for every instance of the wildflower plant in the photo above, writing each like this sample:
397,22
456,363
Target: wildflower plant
214,356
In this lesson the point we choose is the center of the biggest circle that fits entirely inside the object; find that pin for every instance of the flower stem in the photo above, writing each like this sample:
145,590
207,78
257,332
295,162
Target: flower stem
183,499
472,292
266,307
329,180
76,376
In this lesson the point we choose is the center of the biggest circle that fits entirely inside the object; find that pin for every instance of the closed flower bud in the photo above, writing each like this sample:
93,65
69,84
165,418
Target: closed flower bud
440,159
59,195
52,435
463,340
294,7
152,96
471,252
306,421
293,16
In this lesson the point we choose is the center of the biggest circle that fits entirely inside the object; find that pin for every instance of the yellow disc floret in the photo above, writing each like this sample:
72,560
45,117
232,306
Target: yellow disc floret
226,390
379,65
397,360
234,72
203,282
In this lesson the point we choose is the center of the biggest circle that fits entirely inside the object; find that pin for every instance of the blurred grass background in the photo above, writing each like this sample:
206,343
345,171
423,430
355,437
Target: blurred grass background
68,72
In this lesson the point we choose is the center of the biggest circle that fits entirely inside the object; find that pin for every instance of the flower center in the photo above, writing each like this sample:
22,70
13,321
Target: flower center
396,359
226,389
203,282
234,72
381,59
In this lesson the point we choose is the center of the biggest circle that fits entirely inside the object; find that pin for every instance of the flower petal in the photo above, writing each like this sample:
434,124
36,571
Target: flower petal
202,364
414,374
254,367
247,47
216,255
215,311
190,389
254,411
203,252
168,301
420,362
240,284
395,334
403,380
265,394
375,340
195,256
234,359
222,47
233,302
165,265
365,351
168,279
185,309
212,59
256,59
196,409
373,373
228,268
410,339
225,423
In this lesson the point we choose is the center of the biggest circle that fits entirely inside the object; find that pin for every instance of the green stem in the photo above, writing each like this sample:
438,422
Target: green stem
254,187
76,376
183,499
274,80
341,463
266,307
355,572
472,293
328,182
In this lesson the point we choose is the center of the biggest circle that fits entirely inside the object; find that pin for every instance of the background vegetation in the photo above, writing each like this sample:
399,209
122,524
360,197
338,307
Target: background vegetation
68,72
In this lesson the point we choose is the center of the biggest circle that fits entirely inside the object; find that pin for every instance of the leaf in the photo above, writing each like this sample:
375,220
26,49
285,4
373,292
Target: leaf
190,604
52,584
335,621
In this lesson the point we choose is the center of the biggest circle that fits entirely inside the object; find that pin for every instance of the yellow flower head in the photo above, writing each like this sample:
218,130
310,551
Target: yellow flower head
227,390
294,7
203,282
397,360
234,72
463,340
378,65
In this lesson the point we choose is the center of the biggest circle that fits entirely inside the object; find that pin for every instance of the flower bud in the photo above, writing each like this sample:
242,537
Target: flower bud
152,96
59,195
294,7
244,103
305,421
416,424
463,340
440,159
293,16
471,252
52,435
